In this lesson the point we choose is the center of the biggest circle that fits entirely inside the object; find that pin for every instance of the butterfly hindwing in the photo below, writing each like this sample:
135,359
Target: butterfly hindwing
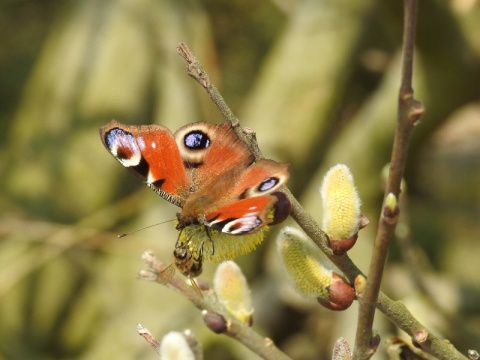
262,178
249,205
241,217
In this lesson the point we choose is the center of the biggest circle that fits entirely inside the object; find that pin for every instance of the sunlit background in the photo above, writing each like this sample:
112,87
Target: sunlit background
317,81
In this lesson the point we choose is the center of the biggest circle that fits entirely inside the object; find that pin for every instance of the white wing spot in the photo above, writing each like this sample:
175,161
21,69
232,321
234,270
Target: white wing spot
134,160
130,144
247,224
150,178
153,145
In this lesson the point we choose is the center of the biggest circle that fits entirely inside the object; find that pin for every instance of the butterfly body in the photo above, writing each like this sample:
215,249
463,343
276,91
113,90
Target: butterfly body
207,171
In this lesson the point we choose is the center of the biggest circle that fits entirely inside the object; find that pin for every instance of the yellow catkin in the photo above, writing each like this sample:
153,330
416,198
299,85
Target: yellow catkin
217,246
304,263
341,203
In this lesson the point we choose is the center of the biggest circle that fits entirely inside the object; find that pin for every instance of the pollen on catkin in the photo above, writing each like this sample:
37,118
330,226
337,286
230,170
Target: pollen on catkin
303,263
341,203
217,246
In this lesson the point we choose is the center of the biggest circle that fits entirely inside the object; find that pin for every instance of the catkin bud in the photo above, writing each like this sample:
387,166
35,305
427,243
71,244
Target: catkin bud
232,290
174,346
341,208
305,266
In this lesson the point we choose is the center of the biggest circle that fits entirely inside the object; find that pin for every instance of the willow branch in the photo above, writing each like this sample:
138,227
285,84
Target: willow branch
196,71
409,112
398,314
215,316
149,338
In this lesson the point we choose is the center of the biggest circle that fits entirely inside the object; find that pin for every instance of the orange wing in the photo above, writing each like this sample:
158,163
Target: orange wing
151,153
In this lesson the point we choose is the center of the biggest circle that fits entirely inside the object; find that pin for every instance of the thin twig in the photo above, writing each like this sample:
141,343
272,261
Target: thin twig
196,71
364,348
208,303
149,338
400,316
409,111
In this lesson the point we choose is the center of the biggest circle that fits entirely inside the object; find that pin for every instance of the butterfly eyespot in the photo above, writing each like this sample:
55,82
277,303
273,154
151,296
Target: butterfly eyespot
196,140
268,184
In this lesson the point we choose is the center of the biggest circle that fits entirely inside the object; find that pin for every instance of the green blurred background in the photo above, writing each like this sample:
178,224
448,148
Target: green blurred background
317,81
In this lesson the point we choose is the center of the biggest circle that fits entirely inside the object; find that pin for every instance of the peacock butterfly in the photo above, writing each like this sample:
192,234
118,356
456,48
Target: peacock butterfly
210,173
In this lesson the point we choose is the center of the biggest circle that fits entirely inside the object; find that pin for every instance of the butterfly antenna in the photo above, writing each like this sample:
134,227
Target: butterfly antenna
143,228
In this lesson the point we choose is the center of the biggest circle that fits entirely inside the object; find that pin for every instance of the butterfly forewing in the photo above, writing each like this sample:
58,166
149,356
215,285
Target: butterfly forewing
211,151
150,152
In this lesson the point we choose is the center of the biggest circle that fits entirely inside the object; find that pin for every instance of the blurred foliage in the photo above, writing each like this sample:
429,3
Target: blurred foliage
317,81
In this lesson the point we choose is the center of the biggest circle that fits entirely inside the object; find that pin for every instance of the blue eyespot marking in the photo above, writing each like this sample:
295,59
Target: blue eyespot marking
268,183
196,140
